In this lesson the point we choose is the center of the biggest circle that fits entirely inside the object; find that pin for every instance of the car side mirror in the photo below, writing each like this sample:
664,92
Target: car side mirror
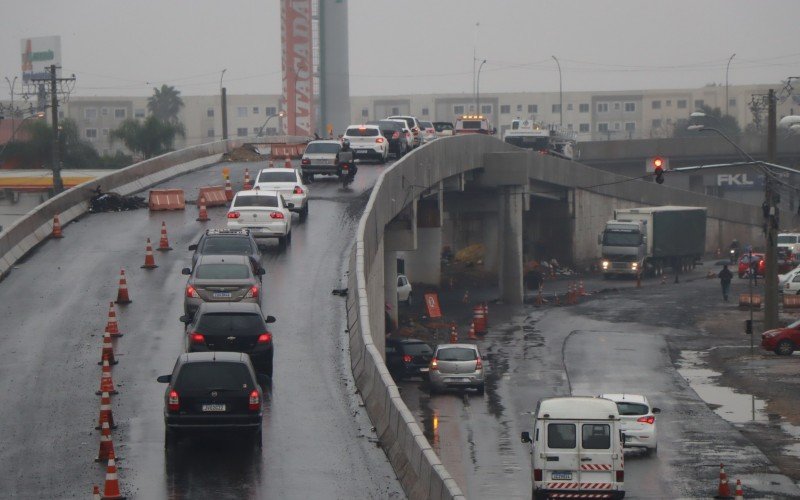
164,379
261,271
186,271
186,319
290,205
656,410
270,319
192,247
525,437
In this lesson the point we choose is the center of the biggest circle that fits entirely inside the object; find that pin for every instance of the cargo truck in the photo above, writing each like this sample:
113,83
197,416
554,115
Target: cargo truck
644,241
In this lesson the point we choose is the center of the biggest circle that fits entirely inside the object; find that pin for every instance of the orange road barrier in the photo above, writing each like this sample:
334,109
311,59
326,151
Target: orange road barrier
56,228
111,488
472,335
791,301
105,412
228,190
724,489
112,327
106,381
247,183
122,292
163,244
149,259
166,199
203,214
108,350
478,319
744,300
453,334
215,196
739,493
106,444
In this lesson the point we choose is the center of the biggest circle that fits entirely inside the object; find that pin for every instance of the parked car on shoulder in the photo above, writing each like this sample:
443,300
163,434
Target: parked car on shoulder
789,283
408,358
289,184
221,278
265,213
320,157
367,142
638,421
404,291
782,341
456,365
443,129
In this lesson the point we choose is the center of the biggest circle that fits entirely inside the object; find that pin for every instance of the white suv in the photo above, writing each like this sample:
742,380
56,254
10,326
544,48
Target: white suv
413,125
368,142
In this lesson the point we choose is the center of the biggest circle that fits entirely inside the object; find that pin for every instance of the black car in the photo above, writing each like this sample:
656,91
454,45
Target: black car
408,358
394,132
232,326
212,391
227,242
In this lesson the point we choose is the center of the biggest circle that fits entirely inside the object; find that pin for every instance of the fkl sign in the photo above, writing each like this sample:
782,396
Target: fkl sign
740,181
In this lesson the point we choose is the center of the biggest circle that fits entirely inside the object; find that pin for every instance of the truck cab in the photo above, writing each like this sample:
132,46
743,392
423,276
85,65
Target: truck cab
472,124
790,241
624,247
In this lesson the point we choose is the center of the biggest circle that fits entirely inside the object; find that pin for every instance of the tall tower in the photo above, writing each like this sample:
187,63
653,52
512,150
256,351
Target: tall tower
334,67
298,66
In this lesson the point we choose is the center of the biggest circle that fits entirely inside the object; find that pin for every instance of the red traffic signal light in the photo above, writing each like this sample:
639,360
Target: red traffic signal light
658,163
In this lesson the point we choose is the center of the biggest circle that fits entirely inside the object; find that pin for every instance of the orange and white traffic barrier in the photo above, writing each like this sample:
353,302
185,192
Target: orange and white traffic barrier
471,334
539,299
247,183
149,258
105,412
111,488
228,189
581,289
478,319
56,228
122,293
106,443
108,350
163,244
202,216
485,313
724,489
112,327
106,382
739,493
453,334
287,163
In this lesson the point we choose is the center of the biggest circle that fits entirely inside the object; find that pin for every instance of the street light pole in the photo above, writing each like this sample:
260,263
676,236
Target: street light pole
560,93
261,130
224,106
727,68
478,89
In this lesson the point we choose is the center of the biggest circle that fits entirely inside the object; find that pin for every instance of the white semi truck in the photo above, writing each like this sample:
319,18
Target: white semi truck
646,240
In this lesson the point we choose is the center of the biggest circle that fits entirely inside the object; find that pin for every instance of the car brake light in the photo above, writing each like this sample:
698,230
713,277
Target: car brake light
537,474
233,215
379,140
396,135
191,292
255,401
174,402
646,420
275,215
265,338
197,338
479,364
620,476
407,358
298,190
252,293
305,161
434,364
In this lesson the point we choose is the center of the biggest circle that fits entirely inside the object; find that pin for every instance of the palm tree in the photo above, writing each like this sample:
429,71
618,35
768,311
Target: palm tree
165,103
150,138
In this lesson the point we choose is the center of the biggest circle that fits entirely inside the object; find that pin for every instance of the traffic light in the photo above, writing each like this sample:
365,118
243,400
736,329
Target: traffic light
657,165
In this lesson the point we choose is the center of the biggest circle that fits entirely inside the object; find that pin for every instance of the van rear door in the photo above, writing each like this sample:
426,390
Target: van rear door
561,461
597,454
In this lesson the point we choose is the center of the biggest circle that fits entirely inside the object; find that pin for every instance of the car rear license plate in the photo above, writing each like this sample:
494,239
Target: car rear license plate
459,379
222,295
362,151
214,407
561,476
424,370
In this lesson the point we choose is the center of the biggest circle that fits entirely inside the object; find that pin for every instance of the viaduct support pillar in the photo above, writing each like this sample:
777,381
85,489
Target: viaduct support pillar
424,265
512,204
399,235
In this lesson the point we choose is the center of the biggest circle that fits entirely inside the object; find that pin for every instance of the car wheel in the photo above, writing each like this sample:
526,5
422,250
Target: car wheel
282,241
651,451
304,213
785,348
481,389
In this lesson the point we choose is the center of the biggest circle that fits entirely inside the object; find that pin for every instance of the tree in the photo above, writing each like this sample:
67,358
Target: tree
713,118
36,151
150,138
165,103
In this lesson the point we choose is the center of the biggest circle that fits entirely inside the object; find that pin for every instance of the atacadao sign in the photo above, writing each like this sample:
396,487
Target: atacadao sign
38,54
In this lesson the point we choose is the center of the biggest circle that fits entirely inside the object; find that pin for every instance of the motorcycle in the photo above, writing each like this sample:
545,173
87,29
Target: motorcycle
734,254
346,174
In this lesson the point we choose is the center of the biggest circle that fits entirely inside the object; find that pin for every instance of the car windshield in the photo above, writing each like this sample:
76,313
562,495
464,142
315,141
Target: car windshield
225,245
456,354
224,323
213,375
389,125
621,239
277,176
256,201
322,147
362,132
222,271
426,125
416,349
440,127
626,408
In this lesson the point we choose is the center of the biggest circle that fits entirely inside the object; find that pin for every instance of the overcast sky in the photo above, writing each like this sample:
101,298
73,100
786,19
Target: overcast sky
126,47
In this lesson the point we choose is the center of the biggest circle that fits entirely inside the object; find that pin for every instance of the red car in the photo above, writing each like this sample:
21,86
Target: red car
745,266
782,341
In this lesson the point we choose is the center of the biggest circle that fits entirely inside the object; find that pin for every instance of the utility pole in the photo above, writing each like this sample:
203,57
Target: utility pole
58,184
771,221
224,115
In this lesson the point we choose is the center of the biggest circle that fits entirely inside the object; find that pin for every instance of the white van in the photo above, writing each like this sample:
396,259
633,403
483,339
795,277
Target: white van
576,449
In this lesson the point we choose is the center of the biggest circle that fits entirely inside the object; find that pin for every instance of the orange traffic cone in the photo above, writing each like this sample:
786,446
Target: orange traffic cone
163,244
106,382
122,293
247,184
723,490
106,444
739,493
203,215
570,295
453,334
228,189
108,350
485,314
471,334
96,493
557,299
581,289
105,411
149,259
271,162
287,163
56,228
539,299
111,489
112,327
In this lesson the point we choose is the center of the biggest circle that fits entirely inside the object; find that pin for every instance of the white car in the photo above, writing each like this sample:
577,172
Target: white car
289,183
790,282
413,125
428,132
638,420
406,131
264,213
368,142
403,289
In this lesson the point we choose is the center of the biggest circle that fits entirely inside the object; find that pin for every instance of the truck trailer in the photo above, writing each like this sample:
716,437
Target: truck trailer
643,241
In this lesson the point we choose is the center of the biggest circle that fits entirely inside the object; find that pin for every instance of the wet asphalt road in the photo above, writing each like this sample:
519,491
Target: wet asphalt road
54,307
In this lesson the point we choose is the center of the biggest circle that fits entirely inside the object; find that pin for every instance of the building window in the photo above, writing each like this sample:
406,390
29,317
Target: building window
255,110
630,107
616,106
519,107
271,110
138,113
91,133
732,103
656,104
630,126
210,132
90,113
271,131
256,130
602,107
602,127
669,103
556,108
533,108
569,126
425,112
681,103
505,109
583,108
569,107
210,112
364,112
458,110
241,112
699,103
241,131
486,109
655,123
103,111
120,114
583,127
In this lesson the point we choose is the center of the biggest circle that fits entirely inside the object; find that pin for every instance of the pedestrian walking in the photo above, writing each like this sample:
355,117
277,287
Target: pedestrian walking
725,277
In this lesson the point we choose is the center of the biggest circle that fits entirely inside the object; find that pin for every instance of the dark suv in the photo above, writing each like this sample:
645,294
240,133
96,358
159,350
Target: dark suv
227,242
408,358
231,326
394,132
212,391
